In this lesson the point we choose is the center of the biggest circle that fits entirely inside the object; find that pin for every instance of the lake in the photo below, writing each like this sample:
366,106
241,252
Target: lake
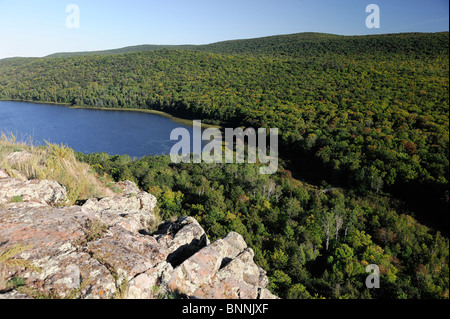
87,130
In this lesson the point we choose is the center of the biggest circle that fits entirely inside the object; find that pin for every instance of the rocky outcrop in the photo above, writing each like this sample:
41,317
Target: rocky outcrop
33,193
105,248
222,270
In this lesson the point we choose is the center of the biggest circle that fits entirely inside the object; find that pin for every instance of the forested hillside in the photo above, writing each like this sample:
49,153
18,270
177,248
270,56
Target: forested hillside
372,109
305,44
366,113
301,45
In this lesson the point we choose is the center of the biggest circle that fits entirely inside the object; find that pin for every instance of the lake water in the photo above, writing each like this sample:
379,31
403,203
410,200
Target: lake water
114,132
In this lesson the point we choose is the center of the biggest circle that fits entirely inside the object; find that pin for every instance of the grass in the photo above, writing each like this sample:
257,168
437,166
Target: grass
93,230
35,293
17,199
7,258
52,162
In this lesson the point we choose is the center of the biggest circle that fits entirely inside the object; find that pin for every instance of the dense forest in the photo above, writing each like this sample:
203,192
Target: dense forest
365,113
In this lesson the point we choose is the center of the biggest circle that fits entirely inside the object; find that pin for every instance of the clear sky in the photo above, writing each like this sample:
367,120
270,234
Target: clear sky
38,27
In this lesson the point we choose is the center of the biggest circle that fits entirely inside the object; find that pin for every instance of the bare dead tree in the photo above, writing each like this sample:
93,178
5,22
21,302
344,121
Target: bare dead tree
339,221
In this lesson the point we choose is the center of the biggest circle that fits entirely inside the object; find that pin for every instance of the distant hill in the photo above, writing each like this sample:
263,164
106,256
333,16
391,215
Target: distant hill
12,62
130,49
309,44
303,44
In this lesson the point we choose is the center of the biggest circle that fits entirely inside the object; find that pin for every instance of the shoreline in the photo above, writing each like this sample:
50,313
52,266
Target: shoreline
148,111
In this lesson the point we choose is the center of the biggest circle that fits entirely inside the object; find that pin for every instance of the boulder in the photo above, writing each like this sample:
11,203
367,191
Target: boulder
43,192
182,239
131,202
223,269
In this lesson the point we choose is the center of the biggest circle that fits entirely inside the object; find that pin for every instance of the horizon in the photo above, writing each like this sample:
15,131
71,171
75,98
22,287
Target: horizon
190,44
30,29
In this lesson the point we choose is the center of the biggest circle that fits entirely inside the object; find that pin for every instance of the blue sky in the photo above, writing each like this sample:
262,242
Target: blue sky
38,27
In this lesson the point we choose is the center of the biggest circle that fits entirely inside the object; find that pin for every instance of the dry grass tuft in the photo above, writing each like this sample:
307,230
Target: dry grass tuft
8,260
52,162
